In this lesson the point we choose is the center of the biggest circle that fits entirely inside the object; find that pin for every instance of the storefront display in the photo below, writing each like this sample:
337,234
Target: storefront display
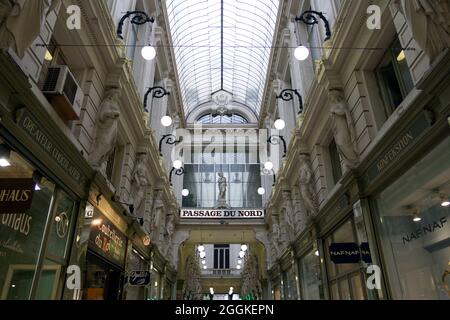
414,224
105,260
345,280
155,285
137,264
290,284
310,276
34,243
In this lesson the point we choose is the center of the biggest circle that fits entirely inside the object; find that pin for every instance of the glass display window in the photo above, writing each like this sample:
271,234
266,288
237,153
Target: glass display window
345,280
310,276
414,224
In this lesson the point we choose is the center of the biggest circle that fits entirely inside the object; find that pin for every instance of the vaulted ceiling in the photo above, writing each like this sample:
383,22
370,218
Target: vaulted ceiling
222,46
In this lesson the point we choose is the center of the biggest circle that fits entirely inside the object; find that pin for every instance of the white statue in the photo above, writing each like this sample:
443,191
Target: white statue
107,123
157,212
222,196
168,234
21,22
343,129
429,21
306,186
139,181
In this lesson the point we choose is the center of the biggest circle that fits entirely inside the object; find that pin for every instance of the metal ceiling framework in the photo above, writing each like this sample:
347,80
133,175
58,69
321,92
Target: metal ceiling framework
222,45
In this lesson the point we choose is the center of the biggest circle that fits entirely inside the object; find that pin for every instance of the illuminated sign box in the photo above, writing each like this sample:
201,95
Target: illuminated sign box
222,214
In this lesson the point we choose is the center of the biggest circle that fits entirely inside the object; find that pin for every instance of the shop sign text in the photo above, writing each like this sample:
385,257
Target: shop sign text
221,214
16,195
424,230
50,147
107,240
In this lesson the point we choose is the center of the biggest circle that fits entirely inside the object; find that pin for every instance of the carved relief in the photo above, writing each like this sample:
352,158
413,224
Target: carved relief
107,126
343,129
429,21
21,22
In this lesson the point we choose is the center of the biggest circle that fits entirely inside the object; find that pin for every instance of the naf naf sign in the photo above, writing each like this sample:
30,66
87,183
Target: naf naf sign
222,214
342,253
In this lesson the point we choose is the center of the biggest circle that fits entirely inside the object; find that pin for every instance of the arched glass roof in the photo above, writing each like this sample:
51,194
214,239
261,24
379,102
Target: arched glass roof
222,45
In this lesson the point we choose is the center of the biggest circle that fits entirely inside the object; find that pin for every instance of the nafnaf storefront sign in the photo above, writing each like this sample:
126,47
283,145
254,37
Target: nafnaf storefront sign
222,214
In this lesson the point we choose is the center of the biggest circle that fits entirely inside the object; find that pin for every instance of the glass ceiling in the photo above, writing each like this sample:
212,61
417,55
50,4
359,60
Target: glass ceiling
222,45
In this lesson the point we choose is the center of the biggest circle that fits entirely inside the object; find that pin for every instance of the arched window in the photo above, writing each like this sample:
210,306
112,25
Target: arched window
222,119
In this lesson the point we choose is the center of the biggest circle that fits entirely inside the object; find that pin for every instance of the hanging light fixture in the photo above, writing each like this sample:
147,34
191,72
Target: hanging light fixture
201,248
279,124
244,247
268,165
241,254
148,53
301,53
185,192
166,121
177,164
261,191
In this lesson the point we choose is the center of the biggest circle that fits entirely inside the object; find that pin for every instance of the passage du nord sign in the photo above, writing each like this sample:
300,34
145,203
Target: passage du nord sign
222,214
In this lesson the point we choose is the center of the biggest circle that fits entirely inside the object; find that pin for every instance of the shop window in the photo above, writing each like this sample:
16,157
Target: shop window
21,234
310,276
221,256
155,291
414,224
290,284
394,78
345,281
335,160
137,263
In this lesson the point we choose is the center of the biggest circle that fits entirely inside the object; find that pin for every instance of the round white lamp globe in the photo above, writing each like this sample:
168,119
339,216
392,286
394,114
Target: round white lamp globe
301,53
166,121
280,124
244,247
148,53
185,192
177,164
268,166
261,191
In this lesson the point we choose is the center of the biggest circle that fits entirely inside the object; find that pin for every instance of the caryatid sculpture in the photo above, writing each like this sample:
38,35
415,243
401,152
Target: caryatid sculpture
288,211
21,22
276,235
168,234
139,181
343,129
107,124
306,185
429,21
